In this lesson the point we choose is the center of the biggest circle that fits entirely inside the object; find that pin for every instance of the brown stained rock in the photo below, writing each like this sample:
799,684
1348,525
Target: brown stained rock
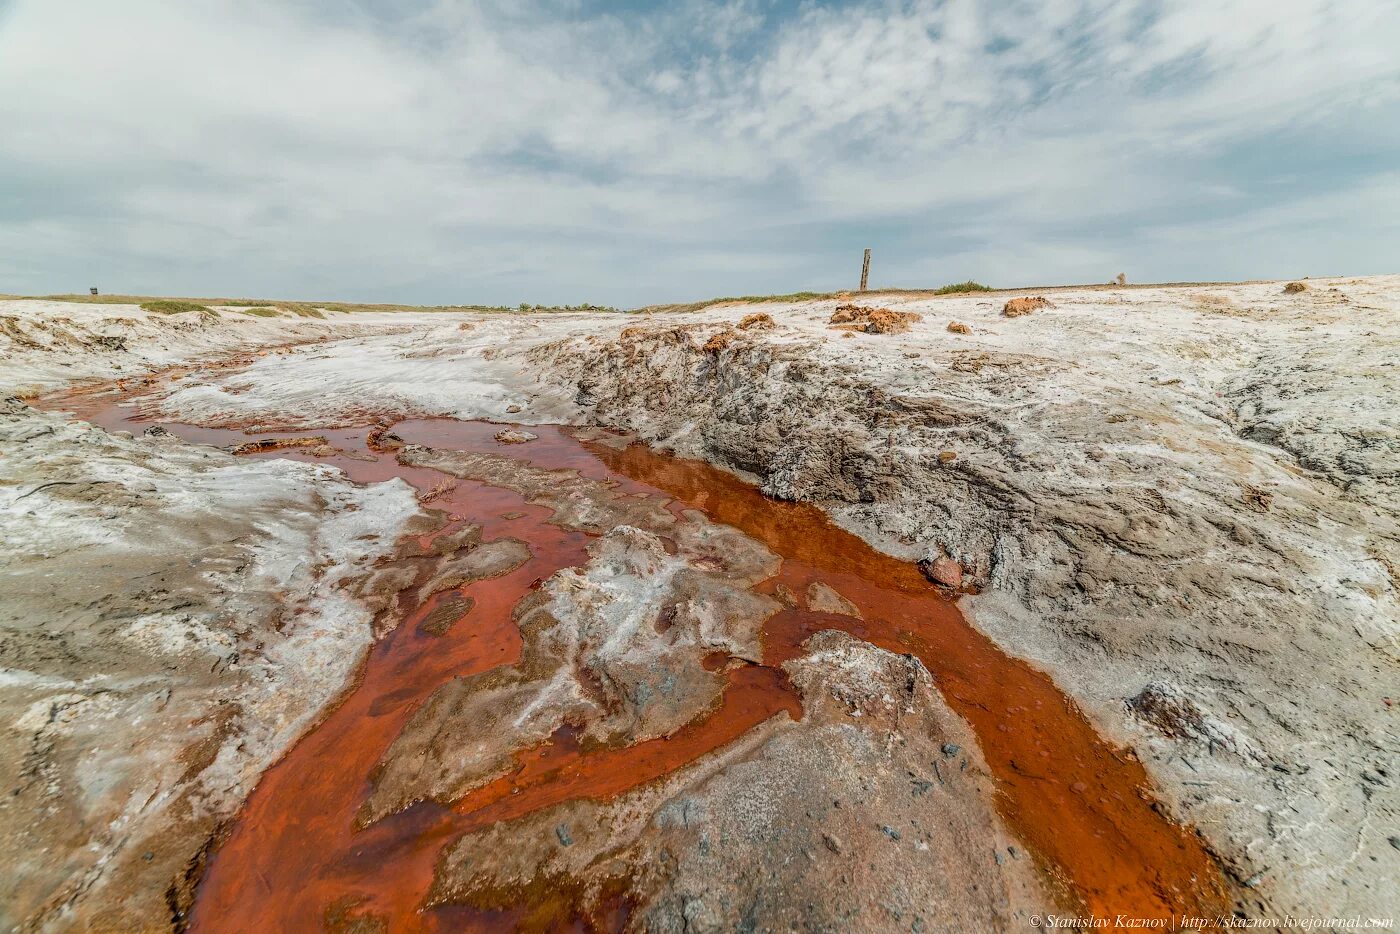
873,320
957,327
382,439
947,457
515,436
823,598
758,321
1293,288
720,340
1017,307
278,444
885,321
943,571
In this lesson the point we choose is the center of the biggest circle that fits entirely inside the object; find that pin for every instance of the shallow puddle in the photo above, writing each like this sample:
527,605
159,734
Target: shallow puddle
295,860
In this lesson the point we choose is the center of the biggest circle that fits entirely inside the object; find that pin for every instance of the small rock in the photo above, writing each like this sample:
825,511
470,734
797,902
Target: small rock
831,842
565,838
957,327
156,431
515,436
890,832
1293,288
1394,841
823,598
757,321
951,749
943,571
947,457
513,408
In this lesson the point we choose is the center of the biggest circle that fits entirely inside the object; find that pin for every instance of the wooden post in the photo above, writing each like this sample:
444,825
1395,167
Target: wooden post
865,271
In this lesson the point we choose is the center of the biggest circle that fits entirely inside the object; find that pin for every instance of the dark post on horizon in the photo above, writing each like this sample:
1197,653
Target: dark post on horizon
865,271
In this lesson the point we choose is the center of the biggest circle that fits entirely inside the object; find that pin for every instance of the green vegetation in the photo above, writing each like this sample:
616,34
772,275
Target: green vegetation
741,300
302,309
167,306
526,308
968,286
262,311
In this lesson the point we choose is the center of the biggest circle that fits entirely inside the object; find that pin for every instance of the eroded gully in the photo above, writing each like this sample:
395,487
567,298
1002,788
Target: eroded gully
295,859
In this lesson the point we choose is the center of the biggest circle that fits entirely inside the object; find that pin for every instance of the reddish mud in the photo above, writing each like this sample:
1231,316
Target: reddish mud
1084,807
295,860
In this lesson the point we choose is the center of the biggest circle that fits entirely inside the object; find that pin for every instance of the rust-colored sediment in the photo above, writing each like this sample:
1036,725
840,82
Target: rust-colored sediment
294,859
1082,805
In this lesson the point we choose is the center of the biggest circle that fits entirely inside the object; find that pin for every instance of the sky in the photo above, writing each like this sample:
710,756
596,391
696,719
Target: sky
626,153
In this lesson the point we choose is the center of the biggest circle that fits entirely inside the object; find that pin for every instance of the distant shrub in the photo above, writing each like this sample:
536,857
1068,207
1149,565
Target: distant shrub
968,286
167,306
262,311
306,311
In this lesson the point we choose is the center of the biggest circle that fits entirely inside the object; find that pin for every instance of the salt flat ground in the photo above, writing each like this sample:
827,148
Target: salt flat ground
1183,503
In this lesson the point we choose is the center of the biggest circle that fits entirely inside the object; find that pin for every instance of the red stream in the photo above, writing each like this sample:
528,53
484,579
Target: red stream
294,856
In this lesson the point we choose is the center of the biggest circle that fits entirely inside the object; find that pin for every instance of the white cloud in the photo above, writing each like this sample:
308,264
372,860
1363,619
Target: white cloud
474,151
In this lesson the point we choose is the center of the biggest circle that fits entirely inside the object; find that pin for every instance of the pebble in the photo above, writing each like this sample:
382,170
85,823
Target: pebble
951,749
565,838
890,832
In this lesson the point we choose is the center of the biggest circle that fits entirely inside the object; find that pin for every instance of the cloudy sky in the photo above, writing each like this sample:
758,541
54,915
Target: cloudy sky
438,151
